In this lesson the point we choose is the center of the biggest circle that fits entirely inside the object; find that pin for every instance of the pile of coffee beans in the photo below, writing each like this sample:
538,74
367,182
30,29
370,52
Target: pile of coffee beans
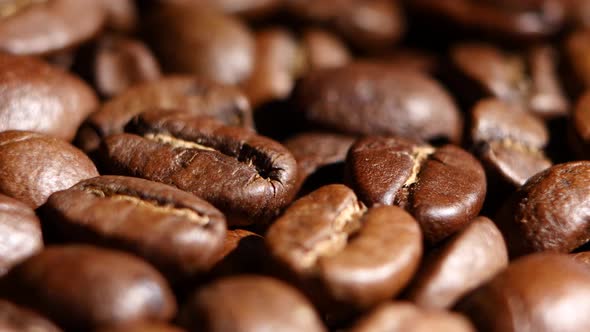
294,165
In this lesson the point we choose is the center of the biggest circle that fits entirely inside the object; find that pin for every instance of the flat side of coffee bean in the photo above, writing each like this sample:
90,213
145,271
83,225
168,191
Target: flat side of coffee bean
212,45
405,317
376,99
45,26
82,288
33,166
442,188
20,233
17,319
193,95
249,303
550,212
179,233
467,260
248,177
39,97
541,292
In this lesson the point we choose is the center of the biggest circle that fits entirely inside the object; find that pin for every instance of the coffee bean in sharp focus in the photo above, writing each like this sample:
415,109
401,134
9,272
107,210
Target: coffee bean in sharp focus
20,233
464,262
177,232
193,95
34,166
82,288
551,212
249,303
346,256
376,99
18,319
544,292
405,317
39,97
443,188
250,178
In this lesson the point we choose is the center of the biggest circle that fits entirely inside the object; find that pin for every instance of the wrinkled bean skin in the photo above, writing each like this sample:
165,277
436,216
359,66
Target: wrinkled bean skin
468,259
20,233
216,308
38,97
198,155
193,95
443,188
405,317
17,319
180,234
542,292
376,99
343,253
124,288
33,166
550,212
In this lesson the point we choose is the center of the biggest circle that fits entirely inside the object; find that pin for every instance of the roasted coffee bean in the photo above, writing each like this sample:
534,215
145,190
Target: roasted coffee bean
47,26
193,95
369,24
38,97
528,80
342,252
542,293
578,50
467,260
20,233
376,99
405,317
144,327
443,188
278,63
243,252
316,150
579,11
507,20
33,166
579,131
582,257
323,50
248,177
121,15
249,303
551,212
509,142
82,287
122,62
177,232
17,319
210,44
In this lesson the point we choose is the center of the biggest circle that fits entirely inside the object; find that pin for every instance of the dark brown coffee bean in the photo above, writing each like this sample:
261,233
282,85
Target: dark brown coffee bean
243,252
20,233
324,50
248,177
443,188
83,287
212,45
376,99
410,59
144,327
177,232
249,303
466,261
122,62
47,26
358,257
34,166
405,317
550,212
528,80
509,142
315,150
17,319
38,97
579,11
579,131
190,94
278,63
542,293
121,15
